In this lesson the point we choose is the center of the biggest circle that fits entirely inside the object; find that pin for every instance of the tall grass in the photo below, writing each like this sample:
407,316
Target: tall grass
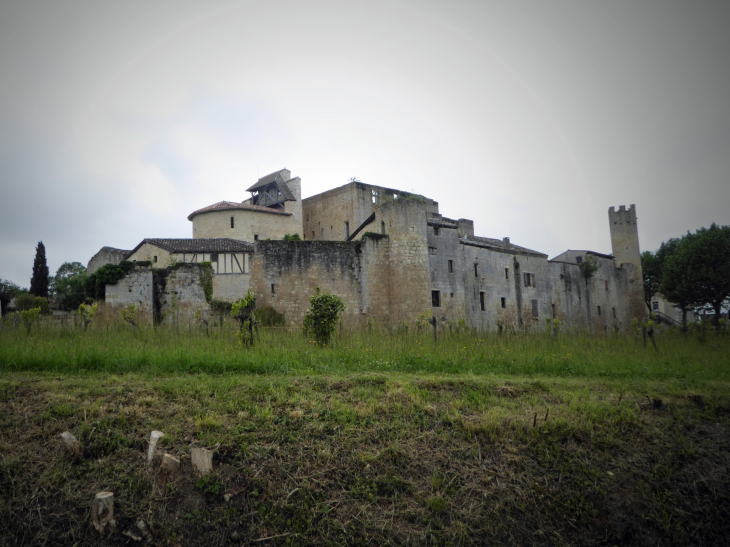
119,349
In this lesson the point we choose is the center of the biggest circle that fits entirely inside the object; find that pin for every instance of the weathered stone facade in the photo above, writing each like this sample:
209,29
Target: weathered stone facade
391,256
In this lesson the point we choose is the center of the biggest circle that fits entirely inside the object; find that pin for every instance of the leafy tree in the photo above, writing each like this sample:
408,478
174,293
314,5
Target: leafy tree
652,265
9,290
242,311
39,281
65,270
71,291
709,252
27,301
678,281
323,315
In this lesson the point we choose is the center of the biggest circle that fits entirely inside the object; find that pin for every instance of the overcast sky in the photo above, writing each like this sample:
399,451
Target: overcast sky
118,119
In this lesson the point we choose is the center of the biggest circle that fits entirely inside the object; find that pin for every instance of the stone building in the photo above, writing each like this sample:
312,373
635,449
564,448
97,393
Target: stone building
392,256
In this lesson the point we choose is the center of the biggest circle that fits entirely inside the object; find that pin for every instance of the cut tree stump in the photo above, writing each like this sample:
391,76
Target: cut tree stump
102,512
154,437
168,470
73,447
202,460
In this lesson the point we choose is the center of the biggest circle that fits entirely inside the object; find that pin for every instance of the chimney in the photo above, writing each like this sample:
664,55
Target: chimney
505,243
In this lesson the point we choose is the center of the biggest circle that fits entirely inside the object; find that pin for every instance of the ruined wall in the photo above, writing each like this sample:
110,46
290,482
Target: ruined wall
169,296
107,255
135,288
625,244
325,214
375,278
178,294
231,287
247,225
296,268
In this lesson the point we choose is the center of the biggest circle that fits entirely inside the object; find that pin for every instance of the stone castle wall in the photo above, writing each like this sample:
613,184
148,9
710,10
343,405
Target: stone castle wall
247,225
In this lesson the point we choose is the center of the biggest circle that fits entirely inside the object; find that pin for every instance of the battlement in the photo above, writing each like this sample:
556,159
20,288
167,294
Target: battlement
622,215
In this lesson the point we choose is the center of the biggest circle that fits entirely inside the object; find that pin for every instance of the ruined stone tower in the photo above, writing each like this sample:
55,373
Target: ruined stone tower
625,244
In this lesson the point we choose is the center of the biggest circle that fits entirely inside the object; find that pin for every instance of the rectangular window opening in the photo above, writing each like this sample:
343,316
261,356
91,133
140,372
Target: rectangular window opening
534,308
347,229
231,222
436,299
451,266
506,273
578,259
553,311
214,257
435,230
273,288
255,237
655,306
154,258
481,301
504,302
476,270
606,284
614,312
452,295
599,310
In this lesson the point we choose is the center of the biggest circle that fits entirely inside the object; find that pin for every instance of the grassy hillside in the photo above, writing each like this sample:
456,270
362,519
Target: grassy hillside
376,440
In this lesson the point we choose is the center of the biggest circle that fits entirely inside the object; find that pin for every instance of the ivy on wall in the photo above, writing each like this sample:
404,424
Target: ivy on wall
206,279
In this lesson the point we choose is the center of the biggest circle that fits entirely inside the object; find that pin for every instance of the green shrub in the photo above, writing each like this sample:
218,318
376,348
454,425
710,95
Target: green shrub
27,301
291,237
242,311
323,315
269,317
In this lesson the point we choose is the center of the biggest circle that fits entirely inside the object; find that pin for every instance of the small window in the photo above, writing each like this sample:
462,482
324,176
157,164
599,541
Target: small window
312,234
599,310
382,227
255,237
154,258
436,299
614,312
347,229
476,270
435,230
655,306
529,280
504,302
214,257
481,301
606,284
273,288
506,273
534,308
451,266
553,311
231,222
452,295
578,259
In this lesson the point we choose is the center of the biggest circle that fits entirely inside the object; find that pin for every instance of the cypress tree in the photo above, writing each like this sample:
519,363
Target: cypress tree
39,281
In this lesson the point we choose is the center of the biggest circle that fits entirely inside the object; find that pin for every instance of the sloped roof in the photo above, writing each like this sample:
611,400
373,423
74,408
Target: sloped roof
442,222
113,250
199,245
268,179
499,245
230,205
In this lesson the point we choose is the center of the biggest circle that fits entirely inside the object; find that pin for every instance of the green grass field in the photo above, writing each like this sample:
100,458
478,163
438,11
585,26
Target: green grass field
378,439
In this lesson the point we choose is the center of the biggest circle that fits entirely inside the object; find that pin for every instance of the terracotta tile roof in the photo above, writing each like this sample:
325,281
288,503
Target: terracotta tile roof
230,205
199,245
499,245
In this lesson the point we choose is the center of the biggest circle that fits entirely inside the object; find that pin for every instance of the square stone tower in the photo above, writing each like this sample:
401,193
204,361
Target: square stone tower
625,244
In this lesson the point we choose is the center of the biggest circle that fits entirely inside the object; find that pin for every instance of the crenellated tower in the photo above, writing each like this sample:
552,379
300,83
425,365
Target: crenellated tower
626,250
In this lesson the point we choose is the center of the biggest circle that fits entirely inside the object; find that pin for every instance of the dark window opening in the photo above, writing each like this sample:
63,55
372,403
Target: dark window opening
231,222
481,301
154,258
504,302
476,270
347,229
214,257
578,259
273,288
506,273
606,284
255,237
534,308
452,295
382,227
435,230
655,306
451,266
614,312
312,234
436,299
599,310
553,311
529,280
